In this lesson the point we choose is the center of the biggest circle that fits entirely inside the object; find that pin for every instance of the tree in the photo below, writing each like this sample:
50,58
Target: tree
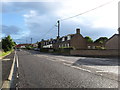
101,40
88,39
0,45
7,43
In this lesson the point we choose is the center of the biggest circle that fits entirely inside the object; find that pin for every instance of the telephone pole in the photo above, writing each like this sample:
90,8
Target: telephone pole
58,29
31,40
26,40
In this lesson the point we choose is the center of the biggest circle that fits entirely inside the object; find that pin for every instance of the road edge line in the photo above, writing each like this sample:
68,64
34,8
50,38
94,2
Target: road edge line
6,83
12,69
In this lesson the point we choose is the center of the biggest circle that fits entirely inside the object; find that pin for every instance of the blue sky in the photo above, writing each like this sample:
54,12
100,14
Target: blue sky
25,20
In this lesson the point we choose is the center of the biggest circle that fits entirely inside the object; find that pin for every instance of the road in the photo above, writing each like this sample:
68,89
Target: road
39,70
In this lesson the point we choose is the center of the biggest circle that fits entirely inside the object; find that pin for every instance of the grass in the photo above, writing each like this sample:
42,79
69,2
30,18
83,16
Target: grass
5,53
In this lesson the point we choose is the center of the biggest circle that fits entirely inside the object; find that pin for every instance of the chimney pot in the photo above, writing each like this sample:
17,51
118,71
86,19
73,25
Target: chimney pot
78,31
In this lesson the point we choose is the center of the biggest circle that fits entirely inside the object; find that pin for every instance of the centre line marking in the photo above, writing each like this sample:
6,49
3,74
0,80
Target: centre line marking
81,68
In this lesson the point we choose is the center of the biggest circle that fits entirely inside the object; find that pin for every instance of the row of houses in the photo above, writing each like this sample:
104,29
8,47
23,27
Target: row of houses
76,41
25,45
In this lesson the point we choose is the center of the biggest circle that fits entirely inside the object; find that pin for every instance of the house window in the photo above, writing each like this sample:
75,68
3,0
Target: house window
44,43
89,47
65,45
59,46
68,45
63,39
93,47
68,37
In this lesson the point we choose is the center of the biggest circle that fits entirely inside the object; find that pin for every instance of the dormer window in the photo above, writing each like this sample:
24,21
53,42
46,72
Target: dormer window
63,39
68,37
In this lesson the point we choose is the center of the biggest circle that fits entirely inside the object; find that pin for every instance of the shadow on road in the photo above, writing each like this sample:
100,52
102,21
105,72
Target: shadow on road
91,61
97,62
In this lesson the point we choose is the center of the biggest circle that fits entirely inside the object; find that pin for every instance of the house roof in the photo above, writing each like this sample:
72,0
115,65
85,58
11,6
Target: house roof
112,37
19,45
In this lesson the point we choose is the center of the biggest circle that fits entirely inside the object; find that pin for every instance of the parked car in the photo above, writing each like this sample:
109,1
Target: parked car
18,49
36,49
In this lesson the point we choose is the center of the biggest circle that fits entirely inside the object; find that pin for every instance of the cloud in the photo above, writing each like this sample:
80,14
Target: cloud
39,17
95,22
104,17
39,24
14,31
10,30
41,7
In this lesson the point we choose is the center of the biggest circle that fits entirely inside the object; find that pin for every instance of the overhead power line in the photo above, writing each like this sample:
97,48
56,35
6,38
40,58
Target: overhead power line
87,11
44,35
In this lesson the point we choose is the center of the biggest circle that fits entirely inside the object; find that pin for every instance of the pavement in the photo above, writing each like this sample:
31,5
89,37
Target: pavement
6,64
38,70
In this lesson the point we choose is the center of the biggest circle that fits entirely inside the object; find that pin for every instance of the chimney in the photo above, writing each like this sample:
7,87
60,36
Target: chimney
119,30
77,31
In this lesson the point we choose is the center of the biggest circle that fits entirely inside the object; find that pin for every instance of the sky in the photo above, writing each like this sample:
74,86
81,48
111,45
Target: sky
38,19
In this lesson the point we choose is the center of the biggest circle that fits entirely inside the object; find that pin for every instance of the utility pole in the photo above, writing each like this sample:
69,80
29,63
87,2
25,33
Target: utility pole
58,29
31,40
26,40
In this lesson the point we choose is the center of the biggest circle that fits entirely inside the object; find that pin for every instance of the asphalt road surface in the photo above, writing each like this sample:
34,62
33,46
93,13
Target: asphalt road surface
39,70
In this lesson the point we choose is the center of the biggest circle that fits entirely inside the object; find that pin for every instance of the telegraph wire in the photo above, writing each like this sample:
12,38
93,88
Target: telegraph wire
87,11
44,35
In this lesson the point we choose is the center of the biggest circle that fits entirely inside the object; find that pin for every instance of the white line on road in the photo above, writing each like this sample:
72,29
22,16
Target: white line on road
12,69
81,68
51,59
65,61
17,61
102,71
76,67
67,64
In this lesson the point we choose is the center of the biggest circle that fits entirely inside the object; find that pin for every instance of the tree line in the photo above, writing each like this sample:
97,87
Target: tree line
100,40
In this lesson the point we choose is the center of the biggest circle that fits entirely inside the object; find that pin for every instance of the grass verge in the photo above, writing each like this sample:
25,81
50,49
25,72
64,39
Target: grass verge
3,54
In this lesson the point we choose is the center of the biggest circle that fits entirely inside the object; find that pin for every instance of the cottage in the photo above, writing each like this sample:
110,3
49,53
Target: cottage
113,42
76,41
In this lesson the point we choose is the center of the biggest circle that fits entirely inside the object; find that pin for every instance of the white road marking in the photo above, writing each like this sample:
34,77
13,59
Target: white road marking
57,59
12,69
81,68
17,75
102,71
17,61
77,67
7,59
67,64
65,61
70,62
